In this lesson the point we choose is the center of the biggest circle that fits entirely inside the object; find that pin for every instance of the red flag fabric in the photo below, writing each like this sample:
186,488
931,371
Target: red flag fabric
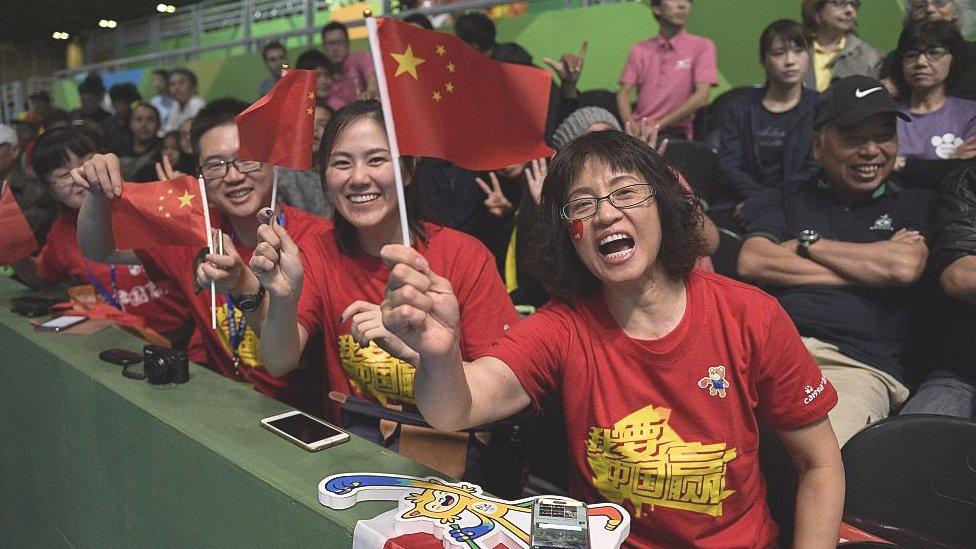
161,213
16,238
277,129
449,101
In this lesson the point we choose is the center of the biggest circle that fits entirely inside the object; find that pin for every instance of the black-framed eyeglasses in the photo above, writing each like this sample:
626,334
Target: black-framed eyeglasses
932,54
217,169
622,198
856,4
922,4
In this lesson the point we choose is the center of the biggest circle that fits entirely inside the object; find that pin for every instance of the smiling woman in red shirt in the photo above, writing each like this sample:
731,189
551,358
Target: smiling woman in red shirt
665,371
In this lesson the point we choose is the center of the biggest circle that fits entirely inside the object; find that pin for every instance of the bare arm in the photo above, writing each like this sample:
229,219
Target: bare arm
102,176
623,102
899,261
761,260
820,491
959,279
697,100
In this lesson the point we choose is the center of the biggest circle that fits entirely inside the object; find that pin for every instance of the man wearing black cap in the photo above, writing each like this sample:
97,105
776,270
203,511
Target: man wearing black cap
840,249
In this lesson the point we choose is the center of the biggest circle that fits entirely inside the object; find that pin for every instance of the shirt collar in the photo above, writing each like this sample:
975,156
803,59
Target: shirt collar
883,188
670,43
840,46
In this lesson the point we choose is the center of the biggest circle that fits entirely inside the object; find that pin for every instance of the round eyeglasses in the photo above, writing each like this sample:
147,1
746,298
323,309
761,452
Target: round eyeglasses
622,198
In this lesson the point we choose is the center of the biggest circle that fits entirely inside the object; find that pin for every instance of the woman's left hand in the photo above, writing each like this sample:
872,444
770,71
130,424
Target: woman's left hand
535,176
497,204
366,325
967,150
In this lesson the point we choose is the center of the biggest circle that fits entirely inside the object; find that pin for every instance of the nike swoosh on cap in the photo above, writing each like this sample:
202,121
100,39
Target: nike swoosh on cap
861,94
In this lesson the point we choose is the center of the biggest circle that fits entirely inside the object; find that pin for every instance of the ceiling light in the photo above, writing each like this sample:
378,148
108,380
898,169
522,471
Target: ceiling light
58,35
170,9
161,8
102,23
112,24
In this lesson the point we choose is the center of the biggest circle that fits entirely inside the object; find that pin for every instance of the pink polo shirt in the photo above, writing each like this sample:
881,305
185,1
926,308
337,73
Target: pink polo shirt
355,70
665,73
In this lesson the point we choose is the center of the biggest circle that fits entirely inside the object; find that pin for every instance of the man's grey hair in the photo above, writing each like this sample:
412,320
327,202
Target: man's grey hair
967,15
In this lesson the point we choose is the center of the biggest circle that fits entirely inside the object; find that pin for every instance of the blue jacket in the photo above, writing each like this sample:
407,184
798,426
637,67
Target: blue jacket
738,154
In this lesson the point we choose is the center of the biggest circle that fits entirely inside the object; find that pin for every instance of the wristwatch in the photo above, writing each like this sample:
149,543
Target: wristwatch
248,303
807,238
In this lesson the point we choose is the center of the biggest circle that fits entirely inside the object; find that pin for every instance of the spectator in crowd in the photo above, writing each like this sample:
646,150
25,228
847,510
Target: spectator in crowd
842,250
162,100
171,149
128,289
117,134
951,388
334,288
672,73
90,113
303,188
419,20
325,72
183,90
932,56
766,133
647,353
143,151
478,30
836,51
355,76
36,203
39,105
275,58
57,118
188,156
236,190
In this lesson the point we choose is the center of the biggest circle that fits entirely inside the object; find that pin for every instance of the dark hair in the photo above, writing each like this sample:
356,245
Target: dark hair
420,20
928,34
476,29
335,26
52,147
150,106
346,234
92,84
552,257
314,59
789,30
124,92
324,103
276,45
216,113
161,72
56,118
185,72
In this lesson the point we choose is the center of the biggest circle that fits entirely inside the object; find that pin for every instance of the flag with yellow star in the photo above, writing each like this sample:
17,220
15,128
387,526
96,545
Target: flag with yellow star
452,102
162,213
277,129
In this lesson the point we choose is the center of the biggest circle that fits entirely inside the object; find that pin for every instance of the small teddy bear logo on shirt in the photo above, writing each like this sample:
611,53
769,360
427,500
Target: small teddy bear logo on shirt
945,145
715,381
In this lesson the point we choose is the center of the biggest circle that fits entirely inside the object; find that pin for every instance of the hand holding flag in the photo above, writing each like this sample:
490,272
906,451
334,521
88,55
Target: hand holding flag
148,215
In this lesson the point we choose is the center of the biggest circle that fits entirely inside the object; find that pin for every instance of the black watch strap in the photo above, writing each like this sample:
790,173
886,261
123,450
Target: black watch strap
248,303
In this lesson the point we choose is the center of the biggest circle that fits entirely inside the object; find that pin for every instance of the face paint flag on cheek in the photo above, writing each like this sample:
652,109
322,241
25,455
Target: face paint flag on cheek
576,229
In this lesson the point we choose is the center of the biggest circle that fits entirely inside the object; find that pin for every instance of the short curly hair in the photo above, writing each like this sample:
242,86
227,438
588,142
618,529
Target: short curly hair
553,258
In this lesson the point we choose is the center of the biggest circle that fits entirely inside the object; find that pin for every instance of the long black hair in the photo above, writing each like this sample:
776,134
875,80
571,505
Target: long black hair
346,234
930,34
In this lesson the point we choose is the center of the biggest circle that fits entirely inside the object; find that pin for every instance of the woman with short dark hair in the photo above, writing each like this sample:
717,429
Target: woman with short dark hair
664,371
931,58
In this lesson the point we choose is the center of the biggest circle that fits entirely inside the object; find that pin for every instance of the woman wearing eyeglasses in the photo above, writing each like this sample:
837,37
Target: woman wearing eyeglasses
665,371
836,51
931,57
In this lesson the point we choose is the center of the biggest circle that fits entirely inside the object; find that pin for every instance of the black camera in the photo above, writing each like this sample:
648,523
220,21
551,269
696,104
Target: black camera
164,365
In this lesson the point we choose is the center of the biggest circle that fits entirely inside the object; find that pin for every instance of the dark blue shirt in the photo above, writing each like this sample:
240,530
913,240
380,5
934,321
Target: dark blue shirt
867,324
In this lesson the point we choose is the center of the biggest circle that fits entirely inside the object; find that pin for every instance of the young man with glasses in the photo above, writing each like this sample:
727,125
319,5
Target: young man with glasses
357,79
237,191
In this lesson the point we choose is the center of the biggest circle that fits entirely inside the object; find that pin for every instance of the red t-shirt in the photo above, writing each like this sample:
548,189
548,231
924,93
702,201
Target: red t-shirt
668,428
160,304
213,347
333,281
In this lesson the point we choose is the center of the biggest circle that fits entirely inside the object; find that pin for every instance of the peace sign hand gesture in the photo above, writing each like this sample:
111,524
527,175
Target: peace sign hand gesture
497,204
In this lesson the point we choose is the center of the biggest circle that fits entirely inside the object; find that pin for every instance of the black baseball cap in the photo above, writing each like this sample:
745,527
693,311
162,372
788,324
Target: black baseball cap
853,99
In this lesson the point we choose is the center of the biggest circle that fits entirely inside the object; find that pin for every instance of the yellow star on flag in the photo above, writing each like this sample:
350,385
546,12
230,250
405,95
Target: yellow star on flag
309,110
407,62
441,50
185,199
449,87
437,96
311,95
450,68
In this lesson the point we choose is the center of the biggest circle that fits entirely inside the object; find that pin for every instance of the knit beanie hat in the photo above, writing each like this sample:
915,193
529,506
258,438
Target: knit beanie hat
576,123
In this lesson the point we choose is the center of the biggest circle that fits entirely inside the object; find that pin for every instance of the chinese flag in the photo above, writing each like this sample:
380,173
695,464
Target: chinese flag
161,213
16,238
277,129
449,101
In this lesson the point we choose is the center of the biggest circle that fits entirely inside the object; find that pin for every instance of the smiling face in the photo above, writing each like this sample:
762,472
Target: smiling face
619,246
858,159
359,178
237,194
840,19
786,62
63,187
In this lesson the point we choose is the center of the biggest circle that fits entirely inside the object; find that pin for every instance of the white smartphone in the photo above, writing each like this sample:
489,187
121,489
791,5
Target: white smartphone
310,433
60,323
559,523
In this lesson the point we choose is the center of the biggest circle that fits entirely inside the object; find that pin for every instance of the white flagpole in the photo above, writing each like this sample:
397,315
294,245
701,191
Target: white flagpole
374,47
210,244
274,189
